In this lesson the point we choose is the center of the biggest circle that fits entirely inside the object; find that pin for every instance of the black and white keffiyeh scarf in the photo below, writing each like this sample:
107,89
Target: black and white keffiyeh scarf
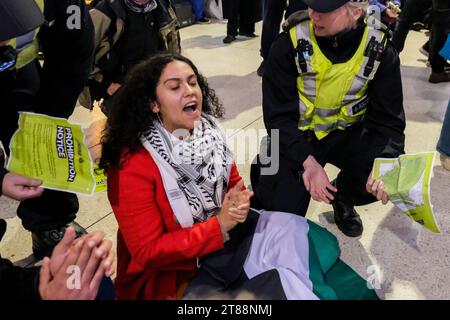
195,170
148,6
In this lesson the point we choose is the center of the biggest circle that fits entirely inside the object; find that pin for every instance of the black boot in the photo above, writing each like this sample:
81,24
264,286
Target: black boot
347,219
260,70
45,241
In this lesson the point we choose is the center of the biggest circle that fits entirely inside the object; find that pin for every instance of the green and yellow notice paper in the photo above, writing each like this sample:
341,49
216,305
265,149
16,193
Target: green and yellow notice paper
407,182
53,150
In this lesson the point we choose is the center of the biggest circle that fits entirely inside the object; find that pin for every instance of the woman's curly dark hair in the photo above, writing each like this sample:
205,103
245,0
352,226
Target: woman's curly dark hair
130,114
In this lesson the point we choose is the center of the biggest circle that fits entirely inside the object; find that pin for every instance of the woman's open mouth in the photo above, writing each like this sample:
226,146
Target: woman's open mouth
190,107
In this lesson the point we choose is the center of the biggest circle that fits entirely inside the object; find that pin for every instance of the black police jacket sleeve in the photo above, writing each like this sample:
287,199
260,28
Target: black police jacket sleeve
3,172
281,101
18,283
385,116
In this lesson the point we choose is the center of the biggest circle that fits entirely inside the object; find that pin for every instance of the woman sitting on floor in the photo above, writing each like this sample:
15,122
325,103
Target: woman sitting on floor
168,172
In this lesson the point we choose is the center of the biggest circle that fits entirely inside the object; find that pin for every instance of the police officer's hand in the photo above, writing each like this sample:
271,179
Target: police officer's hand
20,188
376,187
316,181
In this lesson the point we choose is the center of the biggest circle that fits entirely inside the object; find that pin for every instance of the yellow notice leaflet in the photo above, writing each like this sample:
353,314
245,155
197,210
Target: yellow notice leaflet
53,150
407,182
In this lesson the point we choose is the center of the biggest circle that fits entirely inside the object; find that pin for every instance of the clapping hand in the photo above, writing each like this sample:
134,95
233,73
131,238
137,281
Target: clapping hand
235,206
91,255
240,202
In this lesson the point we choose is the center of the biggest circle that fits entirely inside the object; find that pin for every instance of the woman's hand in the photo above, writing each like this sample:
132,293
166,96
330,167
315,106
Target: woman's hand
235,206
376,187
316,181
240,202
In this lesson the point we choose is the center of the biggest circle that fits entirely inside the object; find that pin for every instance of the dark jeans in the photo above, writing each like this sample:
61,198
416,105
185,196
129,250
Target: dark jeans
413,11
272,16
241,18
443,145
198,7
351,151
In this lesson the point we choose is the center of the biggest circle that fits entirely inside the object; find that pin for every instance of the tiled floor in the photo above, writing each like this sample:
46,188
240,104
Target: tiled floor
411,263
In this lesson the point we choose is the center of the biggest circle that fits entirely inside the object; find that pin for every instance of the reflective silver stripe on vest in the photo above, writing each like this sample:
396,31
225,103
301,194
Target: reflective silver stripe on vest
331,126
24,41
302,107
323,113
356,86
304,122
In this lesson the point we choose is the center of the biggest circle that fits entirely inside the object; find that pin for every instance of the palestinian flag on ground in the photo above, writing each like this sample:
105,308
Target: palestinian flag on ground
277,255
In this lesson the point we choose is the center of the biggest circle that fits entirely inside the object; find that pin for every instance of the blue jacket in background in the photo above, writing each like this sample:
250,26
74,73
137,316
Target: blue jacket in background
382,4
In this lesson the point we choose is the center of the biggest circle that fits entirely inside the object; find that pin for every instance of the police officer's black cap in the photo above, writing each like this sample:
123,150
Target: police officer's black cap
17,17
325,6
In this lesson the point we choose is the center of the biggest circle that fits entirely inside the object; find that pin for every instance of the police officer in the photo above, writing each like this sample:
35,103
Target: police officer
332,89
67,41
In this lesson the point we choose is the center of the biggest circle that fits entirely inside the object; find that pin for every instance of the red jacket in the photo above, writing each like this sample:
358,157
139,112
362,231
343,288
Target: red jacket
155,255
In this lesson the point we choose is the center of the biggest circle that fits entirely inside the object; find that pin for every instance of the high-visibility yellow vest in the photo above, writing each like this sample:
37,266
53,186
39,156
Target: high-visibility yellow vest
27,45
333,96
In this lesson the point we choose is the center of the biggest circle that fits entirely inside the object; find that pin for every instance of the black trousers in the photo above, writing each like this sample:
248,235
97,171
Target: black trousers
241,18
439,29
352,151
272,16
413,10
